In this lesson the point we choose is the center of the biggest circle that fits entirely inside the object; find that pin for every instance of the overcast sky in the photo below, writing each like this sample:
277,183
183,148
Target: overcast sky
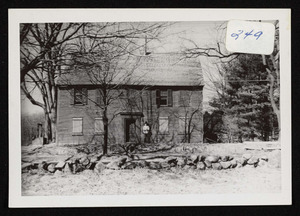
174,39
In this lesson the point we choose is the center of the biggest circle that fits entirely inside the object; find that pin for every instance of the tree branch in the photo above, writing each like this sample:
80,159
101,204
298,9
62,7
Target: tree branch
28,95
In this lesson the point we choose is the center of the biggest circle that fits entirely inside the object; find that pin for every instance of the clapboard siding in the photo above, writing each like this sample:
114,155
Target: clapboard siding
145,103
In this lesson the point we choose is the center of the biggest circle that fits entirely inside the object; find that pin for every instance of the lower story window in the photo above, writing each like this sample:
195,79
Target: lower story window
99,125
163,125
77,126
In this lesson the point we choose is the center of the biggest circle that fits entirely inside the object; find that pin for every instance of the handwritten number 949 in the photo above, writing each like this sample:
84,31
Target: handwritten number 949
246,34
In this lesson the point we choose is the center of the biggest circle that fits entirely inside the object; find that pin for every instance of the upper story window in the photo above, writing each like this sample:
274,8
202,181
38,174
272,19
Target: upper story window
80,96
99,98
164,98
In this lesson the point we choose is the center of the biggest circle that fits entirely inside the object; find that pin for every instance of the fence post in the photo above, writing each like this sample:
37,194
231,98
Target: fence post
39,130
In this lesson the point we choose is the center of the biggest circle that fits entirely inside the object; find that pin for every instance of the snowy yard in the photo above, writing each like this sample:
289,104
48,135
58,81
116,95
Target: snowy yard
143,181
246,179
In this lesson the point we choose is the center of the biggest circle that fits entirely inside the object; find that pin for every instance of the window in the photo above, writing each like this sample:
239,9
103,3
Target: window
99,125
132,97
99,98
77,126
183,125
163,125
164,98
80,96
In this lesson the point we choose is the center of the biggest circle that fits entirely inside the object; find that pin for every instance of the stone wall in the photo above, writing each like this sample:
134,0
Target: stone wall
84,161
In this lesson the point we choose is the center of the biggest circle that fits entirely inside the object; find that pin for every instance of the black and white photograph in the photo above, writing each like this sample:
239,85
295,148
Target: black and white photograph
151,107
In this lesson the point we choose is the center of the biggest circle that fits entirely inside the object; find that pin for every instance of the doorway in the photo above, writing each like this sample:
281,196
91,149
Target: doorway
132,126
130,130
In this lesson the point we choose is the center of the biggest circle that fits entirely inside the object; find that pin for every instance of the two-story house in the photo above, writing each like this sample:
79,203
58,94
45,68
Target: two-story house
163,89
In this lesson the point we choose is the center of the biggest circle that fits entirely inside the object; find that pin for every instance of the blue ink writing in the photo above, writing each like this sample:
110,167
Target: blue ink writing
237,35
258,34
248,33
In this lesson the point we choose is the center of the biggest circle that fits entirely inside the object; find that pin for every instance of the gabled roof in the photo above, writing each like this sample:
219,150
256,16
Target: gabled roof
150,70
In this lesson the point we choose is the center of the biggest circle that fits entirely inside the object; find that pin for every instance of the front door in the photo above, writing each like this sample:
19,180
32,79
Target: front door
130,130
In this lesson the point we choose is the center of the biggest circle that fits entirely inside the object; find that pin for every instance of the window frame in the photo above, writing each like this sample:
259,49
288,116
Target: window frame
76,90
167,96
83,93
76,133
162,97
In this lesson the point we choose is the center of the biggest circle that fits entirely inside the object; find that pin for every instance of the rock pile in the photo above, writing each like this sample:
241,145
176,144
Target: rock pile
194,161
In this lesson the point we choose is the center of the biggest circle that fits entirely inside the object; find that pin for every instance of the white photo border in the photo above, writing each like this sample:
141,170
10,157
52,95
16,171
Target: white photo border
17,16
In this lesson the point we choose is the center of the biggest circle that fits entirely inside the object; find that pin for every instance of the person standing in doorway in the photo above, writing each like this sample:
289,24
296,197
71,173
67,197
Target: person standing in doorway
146,132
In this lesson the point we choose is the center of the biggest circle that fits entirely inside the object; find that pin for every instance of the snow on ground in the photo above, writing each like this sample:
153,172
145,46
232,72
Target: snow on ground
265,179
145,181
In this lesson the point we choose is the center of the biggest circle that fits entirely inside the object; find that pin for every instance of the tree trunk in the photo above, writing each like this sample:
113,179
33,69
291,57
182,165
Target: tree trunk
53,115
229,135
271,94
274,106
105,127
189,131
47,128
53,129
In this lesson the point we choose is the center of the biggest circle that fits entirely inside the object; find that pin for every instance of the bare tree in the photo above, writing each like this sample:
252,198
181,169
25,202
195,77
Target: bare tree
47,51
109,54
42,57
188,115
218,53
271,63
